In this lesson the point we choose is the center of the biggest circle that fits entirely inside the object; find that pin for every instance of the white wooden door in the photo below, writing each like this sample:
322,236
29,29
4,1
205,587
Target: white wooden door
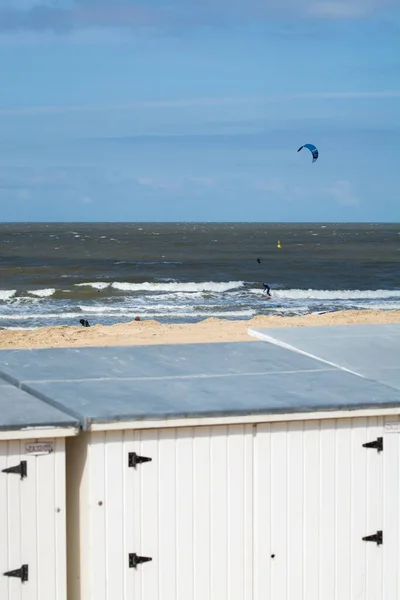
193,515
32,522
318,491
189,509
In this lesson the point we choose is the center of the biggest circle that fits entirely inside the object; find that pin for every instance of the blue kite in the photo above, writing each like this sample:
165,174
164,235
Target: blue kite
312,149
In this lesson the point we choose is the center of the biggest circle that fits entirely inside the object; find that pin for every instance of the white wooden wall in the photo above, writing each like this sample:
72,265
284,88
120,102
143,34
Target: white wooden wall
32,522
266,512
318,492
190,509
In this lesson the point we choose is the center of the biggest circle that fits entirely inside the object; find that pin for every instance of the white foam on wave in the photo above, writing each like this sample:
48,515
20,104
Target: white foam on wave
27,316
97,285
20,328
310,294
122,309
7,294
206,286
158,312
45,293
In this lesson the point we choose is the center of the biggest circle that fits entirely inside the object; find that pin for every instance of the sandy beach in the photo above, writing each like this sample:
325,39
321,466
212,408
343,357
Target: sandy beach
152,332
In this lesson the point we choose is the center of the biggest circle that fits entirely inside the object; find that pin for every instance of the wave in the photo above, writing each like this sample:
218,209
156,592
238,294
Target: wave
207,286
311,294
96,285
148,286
7,294
26,316
45,293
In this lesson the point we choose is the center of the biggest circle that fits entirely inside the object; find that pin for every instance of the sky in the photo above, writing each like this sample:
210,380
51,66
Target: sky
193,110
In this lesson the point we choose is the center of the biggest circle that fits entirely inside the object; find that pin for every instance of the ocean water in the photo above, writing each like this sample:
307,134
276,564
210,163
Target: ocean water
56,274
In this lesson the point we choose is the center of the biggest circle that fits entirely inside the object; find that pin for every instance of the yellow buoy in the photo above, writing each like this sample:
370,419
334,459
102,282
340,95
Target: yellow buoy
279,244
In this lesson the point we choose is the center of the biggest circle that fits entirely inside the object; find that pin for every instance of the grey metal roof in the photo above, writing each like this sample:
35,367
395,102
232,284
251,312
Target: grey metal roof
19,410
108,384
372,351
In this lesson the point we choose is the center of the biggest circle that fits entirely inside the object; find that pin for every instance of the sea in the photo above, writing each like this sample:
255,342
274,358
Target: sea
58,273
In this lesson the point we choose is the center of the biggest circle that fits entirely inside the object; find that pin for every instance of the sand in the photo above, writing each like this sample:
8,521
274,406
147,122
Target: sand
152,332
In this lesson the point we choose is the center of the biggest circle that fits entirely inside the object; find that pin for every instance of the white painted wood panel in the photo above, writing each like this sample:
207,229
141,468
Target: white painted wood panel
189,509
236,512
318,492
33,522
391,514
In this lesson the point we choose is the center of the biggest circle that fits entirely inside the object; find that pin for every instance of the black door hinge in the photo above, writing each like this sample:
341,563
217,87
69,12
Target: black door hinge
376,537
20,469
135,560
134,459
378,444
22,573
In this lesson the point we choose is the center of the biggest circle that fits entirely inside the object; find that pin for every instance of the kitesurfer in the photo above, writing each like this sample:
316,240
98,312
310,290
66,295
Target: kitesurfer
267,290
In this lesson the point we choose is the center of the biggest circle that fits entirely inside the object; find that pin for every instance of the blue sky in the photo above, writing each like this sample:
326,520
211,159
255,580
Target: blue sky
184,110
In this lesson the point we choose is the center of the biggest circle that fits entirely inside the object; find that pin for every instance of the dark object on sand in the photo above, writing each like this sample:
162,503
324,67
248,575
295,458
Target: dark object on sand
84,323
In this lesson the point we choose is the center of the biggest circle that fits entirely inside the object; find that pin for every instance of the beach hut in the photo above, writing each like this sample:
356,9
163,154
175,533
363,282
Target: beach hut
32,497
240,471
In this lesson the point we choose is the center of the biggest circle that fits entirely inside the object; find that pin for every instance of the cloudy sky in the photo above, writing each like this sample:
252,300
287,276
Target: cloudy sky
185,110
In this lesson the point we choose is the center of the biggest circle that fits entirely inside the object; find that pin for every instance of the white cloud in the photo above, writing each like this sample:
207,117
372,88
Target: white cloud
345,9
342,192
200,102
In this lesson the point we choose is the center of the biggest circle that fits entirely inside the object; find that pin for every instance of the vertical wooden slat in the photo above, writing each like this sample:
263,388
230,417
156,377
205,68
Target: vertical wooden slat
236,525
202,516
278,523
218,510
32,522
311,470
97,563
391,517
4,543
248,507
114,512
262,513
137,544
327,549
46,525
359,458
295,510
167,513
343,509
374,493
60,519
129,510
149,474
14,485
185,566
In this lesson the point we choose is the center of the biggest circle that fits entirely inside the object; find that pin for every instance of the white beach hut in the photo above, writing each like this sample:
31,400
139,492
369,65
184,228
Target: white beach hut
243,471
32,497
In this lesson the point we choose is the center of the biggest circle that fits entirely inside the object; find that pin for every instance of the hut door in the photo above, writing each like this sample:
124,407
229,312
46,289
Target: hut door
32,520
193,510
318,512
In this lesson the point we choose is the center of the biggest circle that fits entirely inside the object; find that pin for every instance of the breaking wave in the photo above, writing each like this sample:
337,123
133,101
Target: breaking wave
336,294
148,286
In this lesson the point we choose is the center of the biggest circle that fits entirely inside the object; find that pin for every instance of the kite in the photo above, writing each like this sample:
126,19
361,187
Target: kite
312,149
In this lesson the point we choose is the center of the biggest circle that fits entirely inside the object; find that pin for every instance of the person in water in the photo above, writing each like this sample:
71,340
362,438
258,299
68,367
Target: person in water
267,290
